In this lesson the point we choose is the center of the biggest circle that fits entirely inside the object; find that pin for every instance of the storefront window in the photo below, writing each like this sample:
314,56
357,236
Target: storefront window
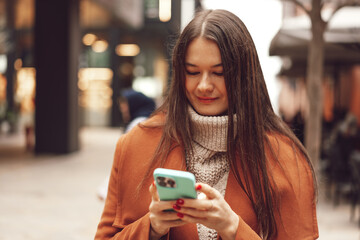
25,96
95,95
92,15
24,14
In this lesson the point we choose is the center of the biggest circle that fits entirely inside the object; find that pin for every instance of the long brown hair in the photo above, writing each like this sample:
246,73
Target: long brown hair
248,100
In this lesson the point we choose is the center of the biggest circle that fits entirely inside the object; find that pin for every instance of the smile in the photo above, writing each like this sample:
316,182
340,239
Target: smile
206,99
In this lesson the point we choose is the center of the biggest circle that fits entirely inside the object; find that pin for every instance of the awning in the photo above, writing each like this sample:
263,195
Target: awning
342,38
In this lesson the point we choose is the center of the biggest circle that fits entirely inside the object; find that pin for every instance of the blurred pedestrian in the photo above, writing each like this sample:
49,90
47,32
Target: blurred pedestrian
135,107
218,123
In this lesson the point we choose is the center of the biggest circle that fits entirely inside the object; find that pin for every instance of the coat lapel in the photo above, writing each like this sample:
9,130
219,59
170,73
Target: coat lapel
239,202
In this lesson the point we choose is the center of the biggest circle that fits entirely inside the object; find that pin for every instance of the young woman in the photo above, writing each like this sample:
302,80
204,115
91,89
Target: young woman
216,122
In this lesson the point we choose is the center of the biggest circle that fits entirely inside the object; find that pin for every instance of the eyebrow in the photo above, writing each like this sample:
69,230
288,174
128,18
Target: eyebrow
193,65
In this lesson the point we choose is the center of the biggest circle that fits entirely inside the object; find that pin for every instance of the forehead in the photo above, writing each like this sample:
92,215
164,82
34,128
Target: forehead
204,51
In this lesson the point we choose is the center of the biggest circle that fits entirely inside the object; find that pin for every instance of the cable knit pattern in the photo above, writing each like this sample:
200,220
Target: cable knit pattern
208,161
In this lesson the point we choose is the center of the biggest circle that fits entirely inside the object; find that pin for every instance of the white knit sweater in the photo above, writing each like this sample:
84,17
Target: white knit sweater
208,161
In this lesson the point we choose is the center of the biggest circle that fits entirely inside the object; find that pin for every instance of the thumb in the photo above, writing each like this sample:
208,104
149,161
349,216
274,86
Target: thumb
153,192
204,188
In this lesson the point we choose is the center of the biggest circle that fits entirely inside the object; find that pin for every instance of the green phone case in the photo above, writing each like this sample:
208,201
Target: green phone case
174,184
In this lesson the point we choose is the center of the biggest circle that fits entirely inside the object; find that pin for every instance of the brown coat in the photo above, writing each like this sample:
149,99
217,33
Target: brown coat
126,215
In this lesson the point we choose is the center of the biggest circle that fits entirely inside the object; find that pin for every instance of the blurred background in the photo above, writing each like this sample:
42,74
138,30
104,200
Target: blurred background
65,67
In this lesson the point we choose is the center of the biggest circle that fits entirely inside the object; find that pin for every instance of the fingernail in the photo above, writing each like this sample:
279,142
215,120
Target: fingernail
176,207
198,187
180,201
180,215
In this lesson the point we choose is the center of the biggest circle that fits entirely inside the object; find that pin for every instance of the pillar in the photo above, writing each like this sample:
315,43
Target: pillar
57,44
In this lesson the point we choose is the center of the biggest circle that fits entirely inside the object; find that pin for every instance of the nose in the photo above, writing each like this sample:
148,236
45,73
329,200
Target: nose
205,84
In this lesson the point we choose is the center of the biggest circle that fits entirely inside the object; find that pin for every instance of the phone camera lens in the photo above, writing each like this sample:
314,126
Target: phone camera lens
171,183
161,181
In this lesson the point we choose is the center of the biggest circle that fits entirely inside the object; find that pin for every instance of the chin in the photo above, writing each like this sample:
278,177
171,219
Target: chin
211,112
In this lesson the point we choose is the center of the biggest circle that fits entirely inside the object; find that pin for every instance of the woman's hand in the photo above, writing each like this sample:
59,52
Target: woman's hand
161,221
212,211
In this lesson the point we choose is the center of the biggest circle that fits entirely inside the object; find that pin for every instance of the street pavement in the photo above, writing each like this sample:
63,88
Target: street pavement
55,196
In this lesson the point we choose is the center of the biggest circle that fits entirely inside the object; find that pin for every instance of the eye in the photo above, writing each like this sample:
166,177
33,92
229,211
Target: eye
219,73
192,73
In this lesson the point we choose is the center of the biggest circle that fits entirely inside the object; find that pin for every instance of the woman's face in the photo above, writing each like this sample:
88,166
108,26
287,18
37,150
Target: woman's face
204,82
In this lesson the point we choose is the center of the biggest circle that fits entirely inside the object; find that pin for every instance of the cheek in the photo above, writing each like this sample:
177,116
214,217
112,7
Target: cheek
225,96
222,88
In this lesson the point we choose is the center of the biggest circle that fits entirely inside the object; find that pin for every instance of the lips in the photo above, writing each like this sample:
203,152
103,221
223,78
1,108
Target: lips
206,99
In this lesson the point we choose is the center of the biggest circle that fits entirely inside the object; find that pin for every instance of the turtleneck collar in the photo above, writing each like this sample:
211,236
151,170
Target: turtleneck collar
209,131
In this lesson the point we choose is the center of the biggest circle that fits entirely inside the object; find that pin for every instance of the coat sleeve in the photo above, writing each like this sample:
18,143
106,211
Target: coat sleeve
245,232
107,229
297,197
296,216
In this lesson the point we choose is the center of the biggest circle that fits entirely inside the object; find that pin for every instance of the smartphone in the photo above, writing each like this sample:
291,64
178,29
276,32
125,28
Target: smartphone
174,184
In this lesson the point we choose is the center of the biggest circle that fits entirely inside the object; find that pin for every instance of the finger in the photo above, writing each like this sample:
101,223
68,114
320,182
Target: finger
165,216
191,219
193,212
153,192
202,196
210,192
166,205
199,204
163,208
